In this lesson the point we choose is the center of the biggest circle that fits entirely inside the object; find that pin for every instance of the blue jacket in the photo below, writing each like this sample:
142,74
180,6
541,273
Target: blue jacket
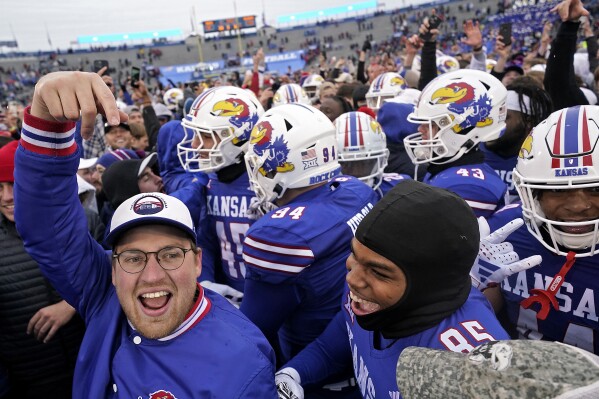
216,352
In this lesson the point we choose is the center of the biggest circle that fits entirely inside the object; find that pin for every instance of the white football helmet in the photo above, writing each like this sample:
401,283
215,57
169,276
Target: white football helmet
172,97
362,147
217,129
384,87
460,109
560,154
291,146
311,84
447,63
490,64
290,93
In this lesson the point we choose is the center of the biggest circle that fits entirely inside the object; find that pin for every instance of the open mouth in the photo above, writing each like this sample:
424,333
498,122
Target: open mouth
577,229
362,307
155,304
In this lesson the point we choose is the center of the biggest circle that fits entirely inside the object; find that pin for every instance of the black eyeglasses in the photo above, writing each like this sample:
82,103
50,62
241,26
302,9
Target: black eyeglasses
134,261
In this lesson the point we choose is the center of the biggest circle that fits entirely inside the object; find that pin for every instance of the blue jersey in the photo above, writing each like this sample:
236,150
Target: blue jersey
223,230
478,184
576,322
215,351
375,365
504,168
295,258
390,180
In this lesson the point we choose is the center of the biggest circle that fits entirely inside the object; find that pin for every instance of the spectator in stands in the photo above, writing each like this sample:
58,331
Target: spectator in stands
86,169
118,136
39,332
135,115
560,80
96,145
334,106
139,138
325,90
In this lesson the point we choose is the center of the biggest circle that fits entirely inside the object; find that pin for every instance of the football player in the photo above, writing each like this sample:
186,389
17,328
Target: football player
384,87
295,253
290,93
217,133
456,111
557,179
363,151
406,285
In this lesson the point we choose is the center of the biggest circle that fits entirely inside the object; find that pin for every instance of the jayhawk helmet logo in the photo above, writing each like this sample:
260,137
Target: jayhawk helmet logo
376,127
231,107
461,99
398,81
276,150
526,148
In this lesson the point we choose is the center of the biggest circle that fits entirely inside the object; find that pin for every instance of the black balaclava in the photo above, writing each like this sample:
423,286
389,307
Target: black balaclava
432,235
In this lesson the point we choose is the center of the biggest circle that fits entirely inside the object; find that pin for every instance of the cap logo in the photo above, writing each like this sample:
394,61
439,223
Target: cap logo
148,205
498,354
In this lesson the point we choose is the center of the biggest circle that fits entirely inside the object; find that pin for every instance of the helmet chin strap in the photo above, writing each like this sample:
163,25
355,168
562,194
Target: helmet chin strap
458,155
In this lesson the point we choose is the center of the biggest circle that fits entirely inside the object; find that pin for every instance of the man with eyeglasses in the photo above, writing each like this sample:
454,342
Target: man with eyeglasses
152,330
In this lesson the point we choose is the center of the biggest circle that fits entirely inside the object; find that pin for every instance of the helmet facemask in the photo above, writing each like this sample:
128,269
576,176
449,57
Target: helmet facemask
561,155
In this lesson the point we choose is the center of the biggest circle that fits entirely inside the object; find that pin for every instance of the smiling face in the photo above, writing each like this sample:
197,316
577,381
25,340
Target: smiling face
374,281
118,137
7,201
574,205
155,300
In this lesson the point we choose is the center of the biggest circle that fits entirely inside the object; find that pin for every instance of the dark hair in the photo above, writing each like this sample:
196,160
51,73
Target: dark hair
541,105
345,105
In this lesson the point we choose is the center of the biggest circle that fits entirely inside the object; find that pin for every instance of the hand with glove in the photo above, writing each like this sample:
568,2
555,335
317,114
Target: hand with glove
288,384
230,294
496,259
259,208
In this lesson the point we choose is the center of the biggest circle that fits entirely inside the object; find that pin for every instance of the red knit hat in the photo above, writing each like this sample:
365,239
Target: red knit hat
7,162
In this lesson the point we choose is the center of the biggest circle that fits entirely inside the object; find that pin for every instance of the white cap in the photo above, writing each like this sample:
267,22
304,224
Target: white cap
87,163
150,208
344,77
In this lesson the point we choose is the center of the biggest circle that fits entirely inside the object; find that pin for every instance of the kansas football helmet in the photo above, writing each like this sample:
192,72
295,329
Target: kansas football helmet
362,147
291,146
217,129
447,63
172,97
290,93
384,87
560,154
311,84
459,109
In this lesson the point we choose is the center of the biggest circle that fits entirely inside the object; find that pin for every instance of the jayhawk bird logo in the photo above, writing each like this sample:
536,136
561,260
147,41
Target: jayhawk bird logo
239,116
276,151
162,395
461,99
526,148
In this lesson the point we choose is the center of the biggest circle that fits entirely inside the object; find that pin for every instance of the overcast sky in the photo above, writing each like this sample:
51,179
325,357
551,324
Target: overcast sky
64,20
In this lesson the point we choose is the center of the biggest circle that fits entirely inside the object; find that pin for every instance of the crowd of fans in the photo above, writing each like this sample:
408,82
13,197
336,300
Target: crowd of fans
300,231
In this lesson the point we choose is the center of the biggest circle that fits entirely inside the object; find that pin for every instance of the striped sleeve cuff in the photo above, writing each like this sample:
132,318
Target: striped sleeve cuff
47,137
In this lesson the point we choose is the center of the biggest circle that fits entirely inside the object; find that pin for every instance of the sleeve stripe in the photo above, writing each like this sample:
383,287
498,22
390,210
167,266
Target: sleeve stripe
263,241
281,267
59,143
48,151
481,205
278,249
47,137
